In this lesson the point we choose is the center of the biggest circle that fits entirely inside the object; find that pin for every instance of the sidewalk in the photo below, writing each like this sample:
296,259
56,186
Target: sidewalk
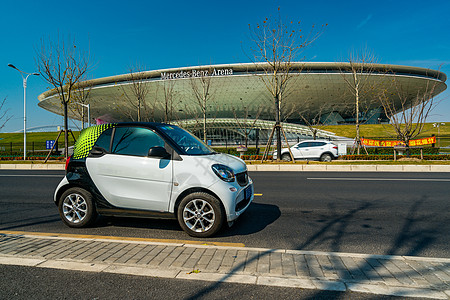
375,274
280,167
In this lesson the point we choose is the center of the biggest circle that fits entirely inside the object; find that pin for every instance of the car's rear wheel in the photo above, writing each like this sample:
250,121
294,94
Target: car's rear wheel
326,157
200,214
76,208
286,157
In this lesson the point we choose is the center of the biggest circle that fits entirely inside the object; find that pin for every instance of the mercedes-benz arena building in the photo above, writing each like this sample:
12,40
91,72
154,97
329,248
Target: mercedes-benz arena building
239,101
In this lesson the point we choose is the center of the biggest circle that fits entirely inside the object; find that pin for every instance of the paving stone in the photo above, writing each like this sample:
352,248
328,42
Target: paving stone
110,251
216,260
141,254
313,266
301,265
327,267
66,246
288,267
78,249
353,268
172,257
276,267
427,272
183,257
251,262
161,256
411,273
95,247
384,273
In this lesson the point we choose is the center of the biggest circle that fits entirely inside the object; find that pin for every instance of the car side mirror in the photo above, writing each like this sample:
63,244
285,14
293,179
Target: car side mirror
97,152
158,152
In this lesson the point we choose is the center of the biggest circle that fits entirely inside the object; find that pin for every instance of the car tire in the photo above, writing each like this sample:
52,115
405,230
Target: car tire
286,157
200,214
76,208
326,157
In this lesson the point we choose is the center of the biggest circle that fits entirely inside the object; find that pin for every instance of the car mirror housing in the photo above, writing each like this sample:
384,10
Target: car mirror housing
158,152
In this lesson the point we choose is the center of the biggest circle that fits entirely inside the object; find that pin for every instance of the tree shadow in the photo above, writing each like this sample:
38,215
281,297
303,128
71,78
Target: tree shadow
411,239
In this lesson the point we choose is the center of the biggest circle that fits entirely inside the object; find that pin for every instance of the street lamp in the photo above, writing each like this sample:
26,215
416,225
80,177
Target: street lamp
88,106
438,125
22,73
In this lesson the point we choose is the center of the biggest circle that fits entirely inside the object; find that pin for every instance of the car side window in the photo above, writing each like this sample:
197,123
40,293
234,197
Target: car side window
317,144
303,145
135,141
104,140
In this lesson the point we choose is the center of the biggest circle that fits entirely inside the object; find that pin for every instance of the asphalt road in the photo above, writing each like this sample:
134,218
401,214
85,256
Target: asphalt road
375,213
39,283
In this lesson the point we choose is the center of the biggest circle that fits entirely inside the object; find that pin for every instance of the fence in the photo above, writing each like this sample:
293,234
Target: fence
33,148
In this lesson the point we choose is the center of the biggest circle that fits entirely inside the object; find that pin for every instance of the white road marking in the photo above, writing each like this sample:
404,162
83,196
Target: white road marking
379,179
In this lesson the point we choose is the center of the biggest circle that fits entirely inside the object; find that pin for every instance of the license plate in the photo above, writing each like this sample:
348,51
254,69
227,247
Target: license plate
248,192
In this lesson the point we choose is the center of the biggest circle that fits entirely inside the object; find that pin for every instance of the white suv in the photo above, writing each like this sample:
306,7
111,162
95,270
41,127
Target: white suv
312,150
152,170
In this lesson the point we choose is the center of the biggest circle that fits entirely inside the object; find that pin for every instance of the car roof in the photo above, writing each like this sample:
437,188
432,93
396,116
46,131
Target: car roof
325,141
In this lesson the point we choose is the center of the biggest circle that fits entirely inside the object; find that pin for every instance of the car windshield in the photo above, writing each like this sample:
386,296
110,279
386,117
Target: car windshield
189,143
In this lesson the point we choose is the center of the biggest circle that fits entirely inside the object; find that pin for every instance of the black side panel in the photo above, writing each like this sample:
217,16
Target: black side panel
78,175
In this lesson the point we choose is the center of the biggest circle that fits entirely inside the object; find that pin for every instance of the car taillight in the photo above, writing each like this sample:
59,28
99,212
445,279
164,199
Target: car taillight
68,161
334,147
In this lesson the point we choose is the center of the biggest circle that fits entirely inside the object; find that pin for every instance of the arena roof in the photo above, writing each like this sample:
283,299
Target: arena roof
237,90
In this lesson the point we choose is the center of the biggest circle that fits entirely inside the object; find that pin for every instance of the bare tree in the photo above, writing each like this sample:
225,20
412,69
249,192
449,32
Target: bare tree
169,100
203,91
80,99
135,93
356,73
62,64
407,113
314,118
241,116
278,44
4,117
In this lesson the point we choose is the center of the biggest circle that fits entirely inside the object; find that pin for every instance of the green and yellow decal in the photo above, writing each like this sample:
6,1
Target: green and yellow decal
87,139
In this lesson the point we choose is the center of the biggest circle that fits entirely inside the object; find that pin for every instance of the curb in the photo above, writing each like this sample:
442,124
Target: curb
283,167
351,168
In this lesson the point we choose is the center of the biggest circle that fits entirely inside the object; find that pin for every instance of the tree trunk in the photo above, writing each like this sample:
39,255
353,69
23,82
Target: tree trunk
66,132
278,128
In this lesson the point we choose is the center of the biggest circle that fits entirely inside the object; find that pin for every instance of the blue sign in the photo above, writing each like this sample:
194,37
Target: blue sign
49,144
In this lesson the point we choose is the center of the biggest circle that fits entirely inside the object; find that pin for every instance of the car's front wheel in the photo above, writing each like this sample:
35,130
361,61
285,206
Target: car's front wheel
200,214
286,157
326,157
76,207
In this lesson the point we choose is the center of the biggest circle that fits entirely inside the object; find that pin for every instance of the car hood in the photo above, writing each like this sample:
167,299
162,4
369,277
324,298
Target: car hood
235,163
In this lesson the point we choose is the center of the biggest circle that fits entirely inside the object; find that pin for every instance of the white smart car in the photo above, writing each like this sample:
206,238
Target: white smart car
152,170
311,150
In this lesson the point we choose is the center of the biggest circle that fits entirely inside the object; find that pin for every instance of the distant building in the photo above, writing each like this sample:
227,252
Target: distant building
238,96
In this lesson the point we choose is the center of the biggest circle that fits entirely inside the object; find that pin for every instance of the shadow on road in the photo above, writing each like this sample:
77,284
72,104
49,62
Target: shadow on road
410,240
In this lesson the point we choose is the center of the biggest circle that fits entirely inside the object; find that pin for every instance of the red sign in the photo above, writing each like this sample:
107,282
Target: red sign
412,143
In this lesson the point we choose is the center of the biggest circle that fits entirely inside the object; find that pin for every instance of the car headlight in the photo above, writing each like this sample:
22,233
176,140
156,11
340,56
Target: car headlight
223,172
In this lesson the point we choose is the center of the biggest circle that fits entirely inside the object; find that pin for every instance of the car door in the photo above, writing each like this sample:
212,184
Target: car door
316,149
127,177
304,149
296,152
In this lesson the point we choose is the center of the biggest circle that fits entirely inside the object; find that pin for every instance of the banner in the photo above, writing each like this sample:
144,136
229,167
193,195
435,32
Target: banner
412,143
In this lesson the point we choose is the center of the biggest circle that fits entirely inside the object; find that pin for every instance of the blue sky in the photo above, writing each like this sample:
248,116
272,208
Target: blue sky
164,34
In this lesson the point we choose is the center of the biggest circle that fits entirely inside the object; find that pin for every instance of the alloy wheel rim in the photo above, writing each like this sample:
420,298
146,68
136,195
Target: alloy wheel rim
198,215
74,208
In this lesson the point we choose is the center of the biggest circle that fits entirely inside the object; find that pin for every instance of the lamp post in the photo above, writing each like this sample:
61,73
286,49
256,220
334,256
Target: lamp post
24,78
88,106
438,125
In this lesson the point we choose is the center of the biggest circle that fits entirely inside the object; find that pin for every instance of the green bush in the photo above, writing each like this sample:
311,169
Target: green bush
390,151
